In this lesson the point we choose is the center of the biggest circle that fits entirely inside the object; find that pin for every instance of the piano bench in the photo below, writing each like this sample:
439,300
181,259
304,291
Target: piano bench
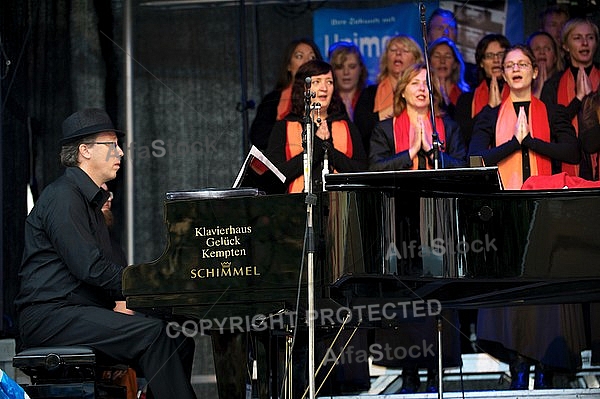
68,372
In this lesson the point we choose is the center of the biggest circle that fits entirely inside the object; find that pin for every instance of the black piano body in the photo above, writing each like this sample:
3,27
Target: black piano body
458,240
454,236
450,236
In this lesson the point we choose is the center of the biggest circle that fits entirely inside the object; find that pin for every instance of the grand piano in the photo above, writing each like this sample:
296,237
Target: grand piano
236,260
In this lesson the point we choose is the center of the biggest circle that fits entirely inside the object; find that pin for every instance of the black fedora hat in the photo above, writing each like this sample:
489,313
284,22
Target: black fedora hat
87,122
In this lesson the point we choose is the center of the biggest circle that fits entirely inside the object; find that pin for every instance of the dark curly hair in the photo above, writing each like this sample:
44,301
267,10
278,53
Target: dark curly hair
285,76
313,68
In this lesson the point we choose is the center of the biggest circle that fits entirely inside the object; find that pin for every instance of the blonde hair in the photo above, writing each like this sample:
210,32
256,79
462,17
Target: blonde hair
573,23
458,75
338,53
404,40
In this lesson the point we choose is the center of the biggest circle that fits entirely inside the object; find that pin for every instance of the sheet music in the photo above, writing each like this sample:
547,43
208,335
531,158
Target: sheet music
259,164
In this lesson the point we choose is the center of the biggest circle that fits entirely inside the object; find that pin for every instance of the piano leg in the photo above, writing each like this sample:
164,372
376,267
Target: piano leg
234,354
232,368
271,349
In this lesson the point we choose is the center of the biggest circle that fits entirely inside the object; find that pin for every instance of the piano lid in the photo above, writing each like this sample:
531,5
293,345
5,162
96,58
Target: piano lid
211,193
457,180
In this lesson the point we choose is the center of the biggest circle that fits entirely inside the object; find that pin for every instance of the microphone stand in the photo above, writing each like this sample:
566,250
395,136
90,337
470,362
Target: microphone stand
436,144
435,139
311,200
307,137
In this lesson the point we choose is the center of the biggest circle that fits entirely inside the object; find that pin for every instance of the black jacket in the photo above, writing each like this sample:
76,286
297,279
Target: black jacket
294,168
382,155
563,145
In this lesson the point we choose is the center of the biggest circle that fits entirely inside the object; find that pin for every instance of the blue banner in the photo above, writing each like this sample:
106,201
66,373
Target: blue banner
369,29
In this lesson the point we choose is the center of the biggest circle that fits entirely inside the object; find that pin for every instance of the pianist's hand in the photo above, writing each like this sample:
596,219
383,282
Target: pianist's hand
121,307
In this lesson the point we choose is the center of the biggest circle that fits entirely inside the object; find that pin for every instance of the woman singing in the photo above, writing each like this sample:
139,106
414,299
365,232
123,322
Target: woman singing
522,136
405,141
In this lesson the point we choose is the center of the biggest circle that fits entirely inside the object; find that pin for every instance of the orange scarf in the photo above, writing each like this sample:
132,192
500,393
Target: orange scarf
340,135
404,132
285,103
384,97
481,97
511,168
564,96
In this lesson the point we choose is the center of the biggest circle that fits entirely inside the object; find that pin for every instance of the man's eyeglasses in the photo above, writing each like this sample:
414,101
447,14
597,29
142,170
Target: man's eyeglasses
509,66
112,144
491,56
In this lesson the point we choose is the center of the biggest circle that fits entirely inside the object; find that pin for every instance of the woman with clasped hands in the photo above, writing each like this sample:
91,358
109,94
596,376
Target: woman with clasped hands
405,140
523,136
491,90
335,136
581,78
376,102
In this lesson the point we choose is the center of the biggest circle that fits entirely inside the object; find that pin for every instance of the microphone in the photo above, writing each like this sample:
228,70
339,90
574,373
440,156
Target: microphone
308,94
422,11
318,108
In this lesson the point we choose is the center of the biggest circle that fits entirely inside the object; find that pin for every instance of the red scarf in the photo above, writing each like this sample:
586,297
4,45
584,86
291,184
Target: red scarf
511,167
350,111
340,136
481,97
455,92
564,96
354,101
355,98
404,131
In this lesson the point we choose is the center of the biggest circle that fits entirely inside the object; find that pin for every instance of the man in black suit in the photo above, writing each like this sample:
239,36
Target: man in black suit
70,275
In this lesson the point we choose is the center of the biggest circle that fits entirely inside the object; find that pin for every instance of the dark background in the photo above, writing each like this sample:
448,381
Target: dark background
191,78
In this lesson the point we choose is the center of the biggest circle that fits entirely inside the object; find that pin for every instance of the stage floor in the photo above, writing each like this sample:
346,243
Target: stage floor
505,394
483,377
